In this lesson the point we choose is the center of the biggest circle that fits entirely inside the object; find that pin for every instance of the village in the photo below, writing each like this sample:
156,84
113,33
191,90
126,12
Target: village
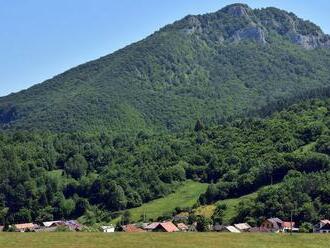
177,224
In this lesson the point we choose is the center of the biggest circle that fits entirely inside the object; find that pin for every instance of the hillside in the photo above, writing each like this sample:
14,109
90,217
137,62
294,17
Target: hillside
54,176
230,212
186,196
205,67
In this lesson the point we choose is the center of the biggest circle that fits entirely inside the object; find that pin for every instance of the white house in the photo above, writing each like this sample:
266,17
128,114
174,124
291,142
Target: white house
108,229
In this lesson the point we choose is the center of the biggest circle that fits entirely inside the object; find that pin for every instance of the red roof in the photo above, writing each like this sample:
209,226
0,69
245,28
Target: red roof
168,227
132,229
287,224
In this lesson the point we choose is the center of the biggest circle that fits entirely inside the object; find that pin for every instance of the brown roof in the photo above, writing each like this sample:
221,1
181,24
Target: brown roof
168,227
182,226
25,226
152,226
132,229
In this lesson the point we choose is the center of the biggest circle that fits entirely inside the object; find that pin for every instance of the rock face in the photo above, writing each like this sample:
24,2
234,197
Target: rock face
238,22
237,10
250,33
310,41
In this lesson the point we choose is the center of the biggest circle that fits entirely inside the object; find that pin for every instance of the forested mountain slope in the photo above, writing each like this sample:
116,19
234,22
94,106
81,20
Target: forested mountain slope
202,67
47,176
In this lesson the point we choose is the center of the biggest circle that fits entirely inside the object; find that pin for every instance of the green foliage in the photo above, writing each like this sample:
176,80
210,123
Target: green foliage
53,176
219,213
202,224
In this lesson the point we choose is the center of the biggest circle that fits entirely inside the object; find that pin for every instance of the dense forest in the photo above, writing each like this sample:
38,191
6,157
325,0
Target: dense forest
205,67
47,176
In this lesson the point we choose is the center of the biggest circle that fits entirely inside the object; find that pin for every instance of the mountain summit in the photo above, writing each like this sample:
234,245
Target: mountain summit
202,67
238,22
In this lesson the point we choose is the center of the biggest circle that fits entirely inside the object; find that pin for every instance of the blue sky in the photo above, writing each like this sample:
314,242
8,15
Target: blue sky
42,38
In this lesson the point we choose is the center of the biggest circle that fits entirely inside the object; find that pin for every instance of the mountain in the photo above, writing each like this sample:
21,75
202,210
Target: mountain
205,67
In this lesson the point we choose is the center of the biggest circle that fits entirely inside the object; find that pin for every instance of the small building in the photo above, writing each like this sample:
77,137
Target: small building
322,227
73,225
108,229
288,226
55,223
25,227
151,226
243,227
166,227
181,217
130,228
231,229
272,224
182,227
1,228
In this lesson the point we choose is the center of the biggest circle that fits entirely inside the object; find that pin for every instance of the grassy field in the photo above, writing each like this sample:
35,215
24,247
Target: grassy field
231,204
185,196
160,240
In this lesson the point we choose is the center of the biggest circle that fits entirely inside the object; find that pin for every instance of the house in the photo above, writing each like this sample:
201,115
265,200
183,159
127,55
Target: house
108,229
73,225
288,226
243,227
231,229
322,227
166,227
182,227
132,229
272,224
25,227
151,226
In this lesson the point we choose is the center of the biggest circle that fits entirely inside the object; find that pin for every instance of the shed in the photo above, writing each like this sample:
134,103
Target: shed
243,227
108,229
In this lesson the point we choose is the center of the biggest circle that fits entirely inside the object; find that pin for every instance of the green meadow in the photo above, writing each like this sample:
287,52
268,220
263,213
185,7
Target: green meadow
185,196
162,240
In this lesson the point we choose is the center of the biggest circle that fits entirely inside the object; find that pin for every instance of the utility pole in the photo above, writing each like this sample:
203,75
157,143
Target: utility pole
291,222
144,216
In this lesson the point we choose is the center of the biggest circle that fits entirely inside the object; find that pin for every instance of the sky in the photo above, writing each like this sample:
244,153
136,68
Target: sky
42,38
